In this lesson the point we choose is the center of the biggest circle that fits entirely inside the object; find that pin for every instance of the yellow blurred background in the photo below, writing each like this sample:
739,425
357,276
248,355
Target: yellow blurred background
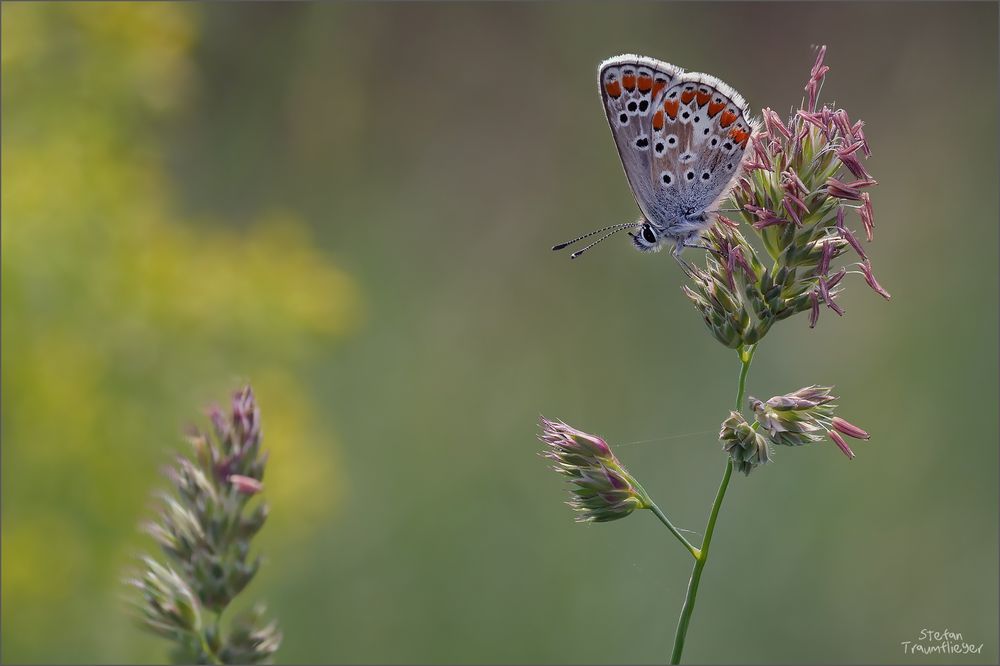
350,206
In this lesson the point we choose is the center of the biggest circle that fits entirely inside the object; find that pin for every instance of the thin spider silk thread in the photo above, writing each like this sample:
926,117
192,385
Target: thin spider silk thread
662,439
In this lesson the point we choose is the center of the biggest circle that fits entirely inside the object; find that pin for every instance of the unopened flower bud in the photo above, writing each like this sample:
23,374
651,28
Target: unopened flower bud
866,270
600,487
841,444
747,448
849,429
245,484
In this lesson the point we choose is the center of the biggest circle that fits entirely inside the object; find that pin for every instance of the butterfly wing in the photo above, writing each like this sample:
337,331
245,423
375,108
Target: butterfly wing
630,86
699,131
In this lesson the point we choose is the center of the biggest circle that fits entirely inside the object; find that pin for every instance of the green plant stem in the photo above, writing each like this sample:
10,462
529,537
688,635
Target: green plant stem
209,638
695,553
746,356
207,649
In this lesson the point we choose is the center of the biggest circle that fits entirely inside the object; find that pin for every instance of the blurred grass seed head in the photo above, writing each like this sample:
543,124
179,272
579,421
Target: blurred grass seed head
204,528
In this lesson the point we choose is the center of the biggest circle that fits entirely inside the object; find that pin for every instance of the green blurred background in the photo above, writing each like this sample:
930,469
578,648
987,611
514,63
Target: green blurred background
351,206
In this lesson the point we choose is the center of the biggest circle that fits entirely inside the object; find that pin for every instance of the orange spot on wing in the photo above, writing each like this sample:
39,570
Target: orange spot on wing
657,87
658,121
671,106
714,108
703,98
687,96
645,83
738,135
628,81
613,88
728,118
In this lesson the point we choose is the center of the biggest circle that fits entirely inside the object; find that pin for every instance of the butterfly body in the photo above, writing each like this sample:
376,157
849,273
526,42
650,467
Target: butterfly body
681,137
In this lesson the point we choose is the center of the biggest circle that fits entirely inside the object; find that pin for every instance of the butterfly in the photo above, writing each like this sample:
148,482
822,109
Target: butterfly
681,138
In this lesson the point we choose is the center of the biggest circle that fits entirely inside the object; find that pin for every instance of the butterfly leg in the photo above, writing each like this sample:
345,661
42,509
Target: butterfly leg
701,247
683,245
685,266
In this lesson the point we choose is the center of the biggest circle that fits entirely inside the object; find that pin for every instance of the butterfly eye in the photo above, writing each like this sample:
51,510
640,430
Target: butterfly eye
648,235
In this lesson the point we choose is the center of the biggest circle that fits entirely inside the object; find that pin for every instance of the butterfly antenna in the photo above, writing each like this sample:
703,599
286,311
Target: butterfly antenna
616,227
608,235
